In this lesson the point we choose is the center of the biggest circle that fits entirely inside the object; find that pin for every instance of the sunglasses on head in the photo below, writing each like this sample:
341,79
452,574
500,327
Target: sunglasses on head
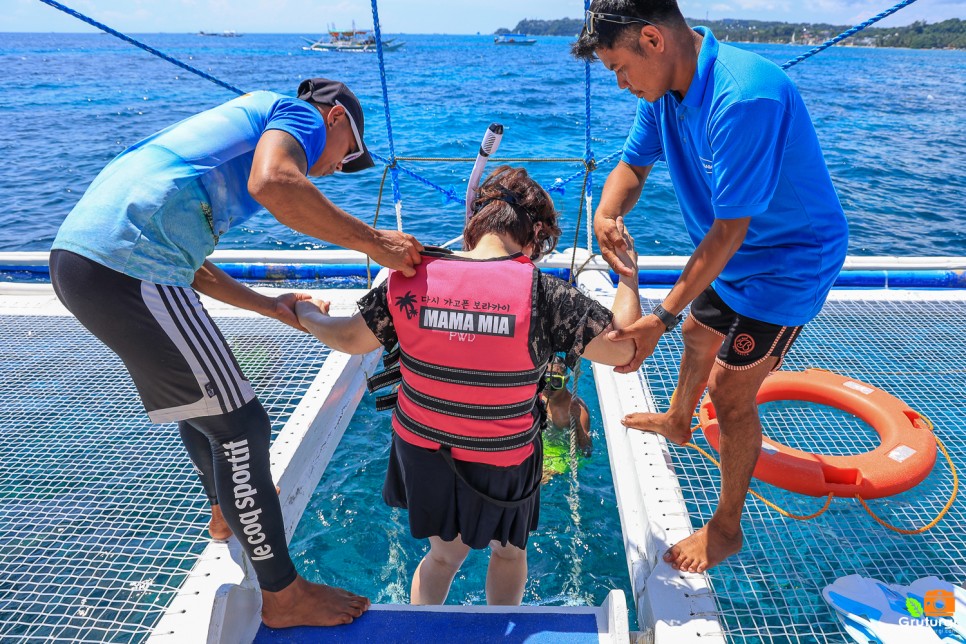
592,20
555,380
352,156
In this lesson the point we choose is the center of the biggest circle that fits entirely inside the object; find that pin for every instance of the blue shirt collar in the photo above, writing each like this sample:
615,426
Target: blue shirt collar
702,73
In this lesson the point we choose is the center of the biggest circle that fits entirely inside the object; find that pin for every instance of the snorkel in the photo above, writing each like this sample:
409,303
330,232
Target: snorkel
491,142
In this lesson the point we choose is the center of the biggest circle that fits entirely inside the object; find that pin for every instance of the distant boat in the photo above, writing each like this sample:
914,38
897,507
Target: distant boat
514,39
223,34
355,40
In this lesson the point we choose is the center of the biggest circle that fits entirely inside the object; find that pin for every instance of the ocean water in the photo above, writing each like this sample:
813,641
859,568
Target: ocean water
349,537
890,122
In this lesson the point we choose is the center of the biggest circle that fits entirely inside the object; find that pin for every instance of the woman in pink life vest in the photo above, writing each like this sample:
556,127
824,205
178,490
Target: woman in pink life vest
475,331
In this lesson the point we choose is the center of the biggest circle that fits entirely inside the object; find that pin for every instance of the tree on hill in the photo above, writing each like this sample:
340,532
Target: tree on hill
561,27
949,34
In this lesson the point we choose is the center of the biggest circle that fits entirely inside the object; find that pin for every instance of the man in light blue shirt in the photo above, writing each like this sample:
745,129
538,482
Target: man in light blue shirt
130,256
769,232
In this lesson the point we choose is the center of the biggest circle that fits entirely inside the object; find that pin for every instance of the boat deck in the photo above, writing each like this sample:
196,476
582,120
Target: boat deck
101,525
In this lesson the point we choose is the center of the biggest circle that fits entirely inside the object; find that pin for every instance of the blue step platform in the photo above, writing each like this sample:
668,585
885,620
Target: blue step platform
443,624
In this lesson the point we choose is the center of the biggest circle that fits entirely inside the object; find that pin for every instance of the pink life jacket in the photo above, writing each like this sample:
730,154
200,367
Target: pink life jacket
468,379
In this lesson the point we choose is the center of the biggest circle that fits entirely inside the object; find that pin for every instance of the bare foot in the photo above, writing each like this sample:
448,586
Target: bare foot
704,549
218,527
305,604
663,424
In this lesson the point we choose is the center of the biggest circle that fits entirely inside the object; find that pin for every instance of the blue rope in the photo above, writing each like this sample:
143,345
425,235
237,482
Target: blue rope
150,50
588,152
845,34
385,102
558,185
451,195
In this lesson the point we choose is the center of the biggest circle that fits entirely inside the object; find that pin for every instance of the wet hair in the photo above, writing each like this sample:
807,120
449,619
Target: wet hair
510,203
557,365
607,35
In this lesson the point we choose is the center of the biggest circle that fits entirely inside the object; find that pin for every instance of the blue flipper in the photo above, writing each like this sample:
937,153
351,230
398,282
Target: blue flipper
875,612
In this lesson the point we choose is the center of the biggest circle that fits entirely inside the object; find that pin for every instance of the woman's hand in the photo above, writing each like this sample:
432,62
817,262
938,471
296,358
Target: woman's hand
625,252
308,307
283,309
611,240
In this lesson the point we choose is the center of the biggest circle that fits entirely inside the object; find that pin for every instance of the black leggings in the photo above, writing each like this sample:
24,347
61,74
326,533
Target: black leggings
227,431
230,453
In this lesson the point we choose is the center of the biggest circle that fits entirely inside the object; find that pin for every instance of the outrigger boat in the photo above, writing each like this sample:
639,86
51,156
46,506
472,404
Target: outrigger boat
357,40
514,39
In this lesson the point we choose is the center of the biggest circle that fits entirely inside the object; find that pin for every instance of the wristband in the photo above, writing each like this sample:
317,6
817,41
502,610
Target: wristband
668,319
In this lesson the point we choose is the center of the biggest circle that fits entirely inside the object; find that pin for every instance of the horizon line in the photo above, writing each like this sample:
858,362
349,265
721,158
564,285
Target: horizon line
691,22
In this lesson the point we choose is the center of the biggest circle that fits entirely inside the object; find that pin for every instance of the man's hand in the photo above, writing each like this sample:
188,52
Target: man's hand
645,332
613,244
284,309
396,250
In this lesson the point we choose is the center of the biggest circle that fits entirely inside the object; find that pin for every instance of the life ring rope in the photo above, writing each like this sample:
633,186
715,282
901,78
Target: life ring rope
828,500
773,506
949,503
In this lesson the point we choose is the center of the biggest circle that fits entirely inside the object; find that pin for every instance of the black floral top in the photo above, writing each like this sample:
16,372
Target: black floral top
563,319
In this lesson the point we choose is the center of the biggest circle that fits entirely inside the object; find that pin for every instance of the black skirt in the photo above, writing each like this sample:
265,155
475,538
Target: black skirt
445,504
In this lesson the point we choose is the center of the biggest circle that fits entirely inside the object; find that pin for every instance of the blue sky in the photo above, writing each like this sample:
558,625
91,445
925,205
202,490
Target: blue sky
420,16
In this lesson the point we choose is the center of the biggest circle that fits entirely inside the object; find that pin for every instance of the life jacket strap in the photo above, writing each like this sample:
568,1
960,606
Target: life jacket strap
383,379
391,358
387,402
472,377
536,476
474,443
467,410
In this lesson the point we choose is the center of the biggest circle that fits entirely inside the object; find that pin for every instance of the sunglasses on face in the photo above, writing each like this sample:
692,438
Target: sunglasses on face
352,156
592,20
555,380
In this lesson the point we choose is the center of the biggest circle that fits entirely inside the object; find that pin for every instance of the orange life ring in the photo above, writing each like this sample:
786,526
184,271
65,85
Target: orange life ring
905,456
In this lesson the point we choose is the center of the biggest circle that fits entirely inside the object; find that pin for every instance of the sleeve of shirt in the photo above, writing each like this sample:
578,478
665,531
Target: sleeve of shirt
374,308
304,122
747,146
643,145
572,319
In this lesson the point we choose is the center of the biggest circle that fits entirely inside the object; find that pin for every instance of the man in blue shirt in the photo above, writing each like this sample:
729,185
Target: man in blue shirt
769,232
130,256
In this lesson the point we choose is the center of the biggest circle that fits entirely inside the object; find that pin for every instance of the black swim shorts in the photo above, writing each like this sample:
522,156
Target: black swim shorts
747,342
179,360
